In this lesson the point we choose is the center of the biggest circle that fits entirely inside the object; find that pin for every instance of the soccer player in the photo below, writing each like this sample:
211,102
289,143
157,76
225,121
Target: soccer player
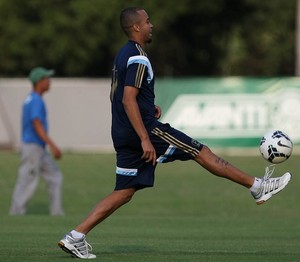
35,159
141,141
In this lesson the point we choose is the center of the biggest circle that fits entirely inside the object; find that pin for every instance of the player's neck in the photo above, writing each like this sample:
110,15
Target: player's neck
141,43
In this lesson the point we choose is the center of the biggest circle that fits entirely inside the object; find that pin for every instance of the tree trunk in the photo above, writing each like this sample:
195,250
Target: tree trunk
297,70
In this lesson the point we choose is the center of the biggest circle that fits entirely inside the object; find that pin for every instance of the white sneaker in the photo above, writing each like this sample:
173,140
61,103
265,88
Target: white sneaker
78,248
270,186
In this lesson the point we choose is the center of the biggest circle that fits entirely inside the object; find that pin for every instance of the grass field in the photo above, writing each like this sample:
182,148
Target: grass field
189,215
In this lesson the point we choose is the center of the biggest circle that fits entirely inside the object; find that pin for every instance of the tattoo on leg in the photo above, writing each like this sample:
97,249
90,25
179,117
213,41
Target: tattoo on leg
222,162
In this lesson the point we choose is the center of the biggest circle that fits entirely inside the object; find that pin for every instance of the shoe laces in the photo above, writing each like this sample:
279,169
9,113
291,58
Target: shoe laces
89,247
84,247
269,170
80,244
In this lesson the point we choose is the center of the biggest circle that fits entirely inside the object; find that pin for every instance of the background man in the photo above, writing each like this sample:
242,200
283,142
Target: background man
35,159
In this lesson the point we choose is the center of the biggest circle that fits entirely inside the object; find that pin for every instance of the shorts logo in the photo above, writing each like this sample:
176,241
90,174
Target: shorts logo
196,143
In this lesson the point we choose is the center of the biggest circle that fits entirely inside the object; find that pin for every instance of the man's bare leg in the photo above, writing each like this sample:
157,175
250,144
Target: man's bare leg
105,208
219,167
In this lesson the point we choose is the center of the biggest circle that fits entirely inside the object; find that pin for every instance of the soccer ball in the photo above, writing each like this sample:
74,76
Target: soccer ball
275,146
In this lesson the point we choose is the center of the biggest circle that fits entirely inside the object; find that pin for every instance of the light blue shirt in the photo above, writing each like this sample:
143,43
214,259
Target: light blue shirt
33,108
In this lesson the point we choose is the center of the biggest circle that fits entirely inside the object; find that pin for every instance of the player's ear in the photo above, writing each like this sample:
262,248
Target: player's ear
136,27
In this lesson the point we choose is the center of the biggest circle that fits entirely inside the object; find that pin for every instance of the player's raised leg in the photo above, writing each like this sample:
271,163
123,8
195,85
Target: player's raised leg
261,189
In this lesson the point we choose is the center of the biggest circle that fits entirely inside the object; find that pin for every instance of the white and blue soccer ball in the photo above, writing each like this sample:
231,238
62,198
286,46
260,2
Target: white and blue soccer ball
276,146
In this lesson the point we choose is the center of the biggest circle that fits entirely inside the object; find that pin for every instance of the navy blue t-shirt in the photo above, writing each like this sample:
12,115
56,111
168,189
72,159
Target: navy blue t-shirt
131,68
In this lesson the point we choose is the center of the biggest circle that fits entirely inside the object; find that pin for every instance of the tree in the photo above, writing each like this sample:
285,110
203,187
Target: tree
191,38
297,42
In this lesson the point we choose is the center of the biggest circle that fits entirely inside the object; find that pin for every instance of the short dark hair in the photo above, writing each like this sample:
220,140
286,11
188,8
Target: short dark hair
128,17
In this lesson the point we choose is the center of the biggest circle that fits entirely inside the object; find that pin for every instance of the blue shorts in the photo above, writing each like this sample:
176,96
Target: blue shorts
170,144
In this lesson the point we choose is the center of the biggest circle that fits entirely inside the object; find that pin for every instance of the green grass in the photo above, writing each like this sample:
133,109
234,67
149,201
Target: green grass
189,215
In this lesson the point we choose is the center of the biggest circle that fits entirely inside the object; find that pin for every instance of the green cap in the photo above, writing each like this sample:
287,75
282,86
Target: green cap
38,73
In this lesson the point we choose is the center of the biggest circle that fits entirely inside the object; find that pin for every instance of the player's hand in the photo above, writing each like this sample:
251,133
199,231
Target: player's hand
157,112
149,152
56,152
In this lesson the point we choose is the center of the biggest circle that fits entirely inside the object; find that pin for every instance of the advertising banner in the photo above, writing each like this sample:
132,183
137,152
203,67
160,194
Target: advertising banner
231,112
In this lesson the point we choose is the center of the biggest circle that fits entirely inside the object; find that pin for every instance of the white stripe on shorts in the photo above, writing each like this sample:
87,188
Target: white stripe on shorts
126,171
168,152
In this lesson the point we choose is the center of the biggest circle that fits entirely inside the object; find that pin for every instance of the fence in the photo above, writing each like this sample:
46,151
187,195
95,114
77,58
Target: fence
222,112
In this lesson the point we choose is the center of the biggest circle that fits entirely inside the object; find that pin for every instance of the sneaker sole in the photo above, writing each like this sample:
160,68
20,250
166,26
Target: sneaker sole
65,246
62,245
268,196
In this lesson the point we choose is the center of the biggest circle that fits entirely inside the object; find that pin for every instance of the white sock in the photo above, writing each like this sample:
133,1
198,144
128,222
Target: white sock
256,185
76,234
